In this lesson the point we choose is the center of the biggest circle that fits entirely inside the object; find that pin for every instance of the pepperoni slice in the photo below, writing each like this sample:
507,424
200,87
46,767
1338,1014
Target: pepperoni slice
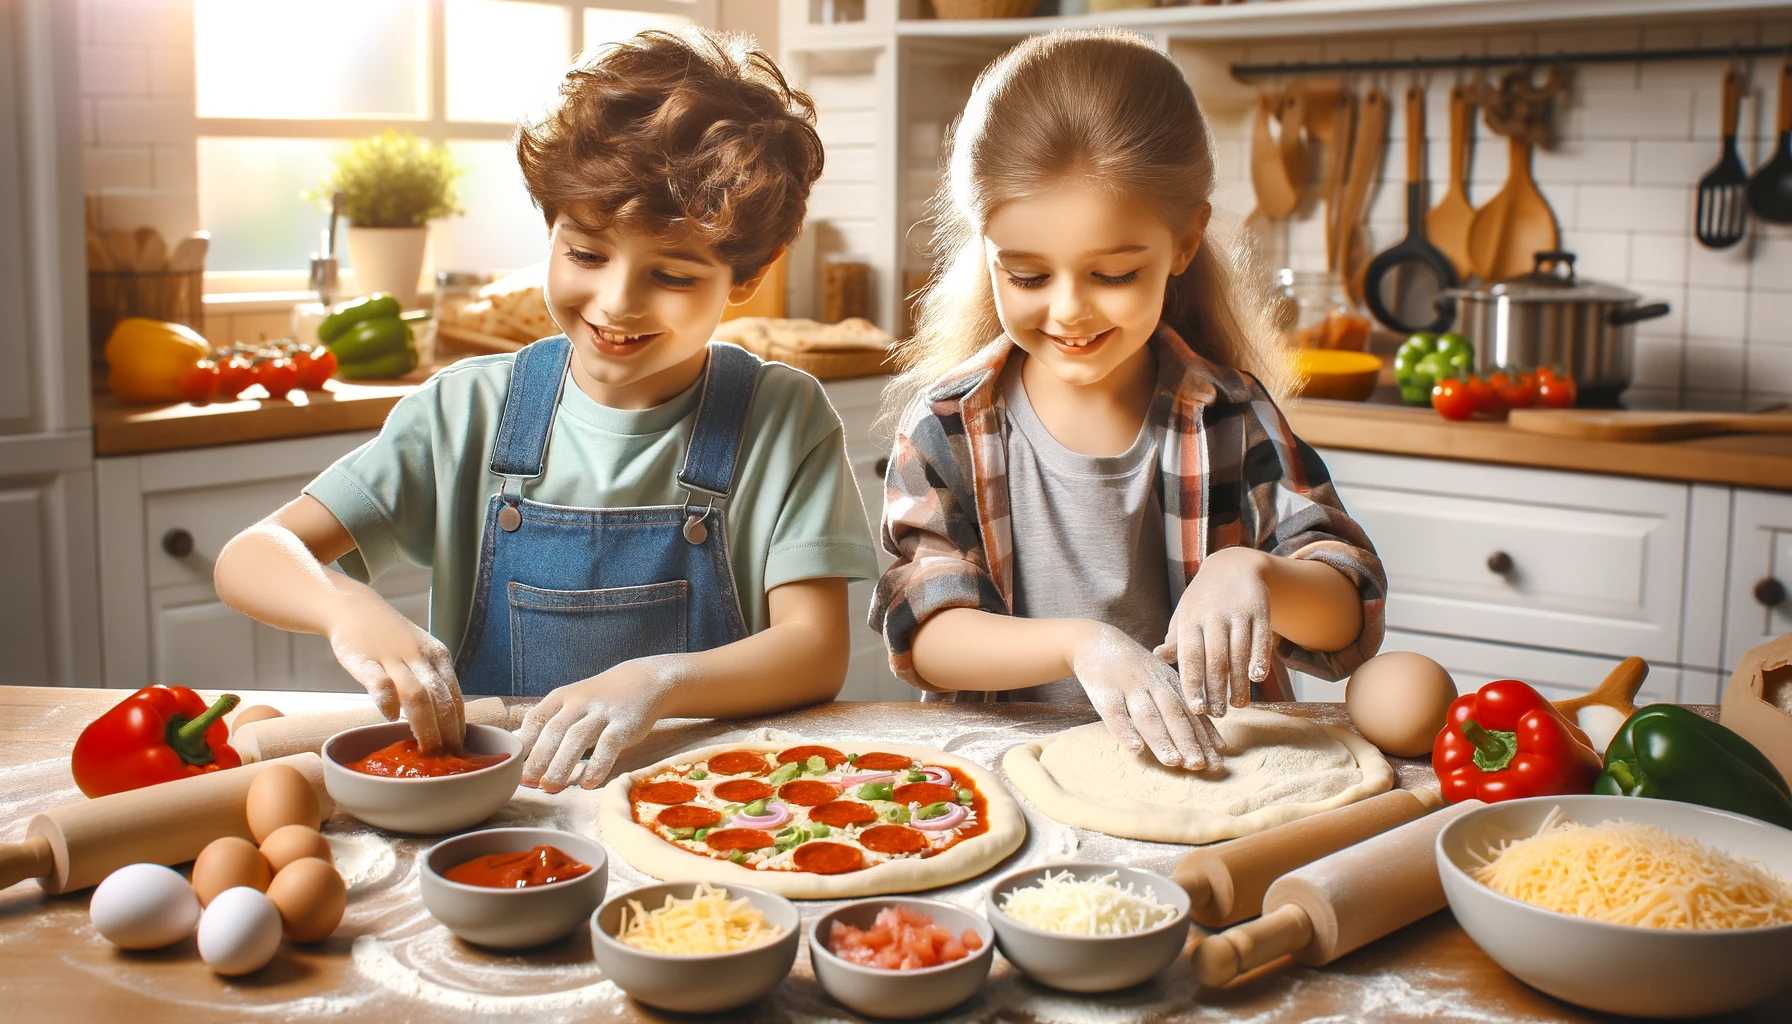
665,792
739,762
807,793
828,754
877,761
827,858
739,839
842,813
743,791
893,839
689,816
924,793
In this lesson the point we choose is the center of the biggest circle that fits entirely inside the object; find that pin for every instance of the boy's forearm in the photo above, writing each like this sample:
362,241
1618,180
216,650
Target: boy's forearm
1312,604
267,573
971,649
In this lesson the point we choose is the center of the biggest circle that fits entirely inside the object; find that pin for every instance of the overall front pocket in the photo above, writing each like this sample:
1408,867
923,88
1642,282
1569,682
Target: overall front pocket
563,636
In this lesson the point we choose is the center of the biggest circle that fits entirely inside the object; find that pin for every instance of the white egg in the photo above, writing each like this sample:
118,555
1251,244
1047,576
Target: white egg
144,906
239,931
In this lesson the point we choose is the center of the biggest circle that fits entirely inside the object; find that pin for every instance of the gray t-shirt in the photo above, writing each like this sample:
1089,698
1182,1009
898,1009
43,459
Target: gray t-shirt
1088,533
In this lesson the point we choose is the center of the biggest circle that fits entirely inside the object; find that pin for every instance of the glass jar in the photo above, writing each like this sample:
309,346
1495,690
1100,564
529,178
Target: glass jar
1315,311
454,289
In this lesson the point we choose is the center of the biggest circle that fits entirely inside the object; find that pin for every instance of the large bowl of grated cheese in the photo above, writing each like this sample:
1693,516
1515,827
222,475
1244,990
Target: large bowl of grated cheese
1651,908
696,947
1088,927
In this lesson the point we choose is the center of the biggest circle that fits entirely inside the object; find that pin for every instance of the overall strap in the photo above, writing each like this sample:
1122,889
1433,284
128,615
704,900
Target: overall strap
529,407
728,384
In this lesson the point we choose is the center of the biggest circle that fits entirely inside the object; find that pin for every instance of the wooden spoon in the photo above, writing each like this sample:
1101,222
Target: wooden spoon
1276,194
1515,225
1292,112
1337,159
1365,163
1447,223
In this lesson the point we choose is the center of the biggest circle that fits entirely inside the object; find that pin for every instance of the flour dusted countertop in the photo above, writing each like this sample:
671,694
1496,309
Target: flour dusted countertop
391,962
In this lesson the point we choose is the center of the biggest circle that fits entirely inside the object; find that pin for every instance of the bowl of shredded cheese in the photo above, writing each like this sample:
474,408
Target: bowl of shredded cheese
1652,908
695,947
1086,927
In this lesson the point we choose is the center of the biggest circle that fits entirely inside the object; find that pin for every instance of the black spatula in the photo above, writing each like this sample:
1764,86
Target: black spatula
1723,201
1405,285
1770,190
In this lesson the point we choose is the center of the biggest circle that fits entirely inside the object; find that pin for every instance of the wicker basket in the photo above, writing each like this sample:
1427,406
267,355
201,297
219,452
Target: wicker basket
177,296
829,364
955,9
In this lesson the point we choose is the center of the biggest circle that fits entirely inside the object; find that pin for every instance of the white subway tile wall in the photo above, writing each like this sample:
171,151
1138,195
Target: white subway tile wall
1632,141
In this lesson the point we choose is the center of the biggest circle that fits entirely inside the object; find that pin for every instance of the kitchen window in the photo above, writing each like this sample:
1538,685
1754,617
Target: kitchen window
281,87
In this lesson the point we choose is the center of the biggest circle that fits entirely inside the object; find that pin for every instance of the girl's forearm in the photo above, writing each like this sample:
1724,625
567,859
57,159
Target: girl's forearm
969,649
1312,604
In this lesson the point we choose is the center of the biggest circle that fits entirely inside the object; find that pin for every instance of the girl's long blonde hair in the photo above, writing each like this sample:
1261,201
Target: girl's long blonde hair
1107,106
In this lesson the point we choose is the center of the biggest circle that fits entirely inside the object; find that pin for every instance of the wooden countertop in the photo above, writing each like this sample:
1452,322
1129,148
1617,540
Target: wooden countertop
1741,460
60,970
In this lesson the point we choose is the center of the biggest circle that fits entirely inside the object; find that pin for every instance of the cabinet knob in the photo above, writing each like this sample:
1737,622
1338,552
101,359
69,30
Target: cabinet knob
883,467
1769,591
1499,563
178,543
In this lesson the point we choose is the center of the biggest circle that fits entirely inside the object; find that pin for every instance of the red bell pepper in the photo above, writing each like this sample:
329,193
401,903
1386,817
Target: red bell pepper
158,734
1508,741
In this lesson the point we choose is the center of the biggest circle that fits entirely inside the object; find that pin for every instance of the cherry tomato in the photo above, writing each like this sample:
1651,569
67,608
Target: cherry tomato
200,383
1544,373
1557,393
277,375
1451,399
1484,397
234,376
316,365
1518,390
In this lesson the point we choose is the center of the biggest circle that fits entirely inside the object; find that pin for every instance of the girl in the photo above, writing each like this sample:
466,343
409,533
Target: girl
1110,474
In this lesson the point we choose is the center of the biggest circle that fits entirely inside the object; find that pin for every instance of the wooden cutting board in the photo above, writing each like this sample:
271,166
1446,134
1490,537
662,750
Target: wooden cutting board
1645,426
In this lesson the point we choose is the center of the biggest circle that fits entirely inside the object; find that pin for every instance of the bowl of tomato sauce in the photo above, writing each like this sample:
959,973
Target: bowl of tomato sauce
514,888
377,774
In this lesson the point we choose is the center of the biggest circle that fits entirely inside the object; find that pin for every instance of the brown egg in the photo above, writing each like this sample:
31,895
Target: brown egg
311,897
227,863
290,842
280,796
254,713
1398,701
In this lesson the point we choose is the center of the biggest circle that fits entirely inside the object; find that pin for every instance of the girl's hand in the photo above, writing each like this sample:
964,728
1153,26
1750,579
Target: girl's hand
611,711
1220,638
1137,698
401,666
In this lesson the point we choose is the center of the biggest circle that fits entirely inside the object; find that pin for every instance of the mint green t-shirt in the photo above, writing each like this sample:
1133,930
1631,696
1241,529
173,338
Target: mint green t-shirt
419,491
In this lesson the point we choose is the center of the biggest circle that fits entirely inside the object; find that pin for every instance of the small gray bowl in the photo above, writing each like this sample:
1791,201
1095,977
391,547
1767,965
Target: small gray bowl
512,918
1090,963
704,983
900,995
422,806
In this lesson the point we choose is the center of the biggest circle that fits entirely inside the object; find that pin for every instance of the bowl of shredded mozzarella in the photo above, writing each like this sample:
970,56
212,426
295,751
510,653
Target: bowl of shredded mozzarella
1086,927
1652,908
694,947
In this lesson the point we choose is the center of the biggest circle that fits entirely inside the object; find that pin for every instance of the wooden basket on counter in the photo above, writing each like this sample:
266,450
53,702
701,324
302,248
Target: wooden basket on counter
177,296
956,9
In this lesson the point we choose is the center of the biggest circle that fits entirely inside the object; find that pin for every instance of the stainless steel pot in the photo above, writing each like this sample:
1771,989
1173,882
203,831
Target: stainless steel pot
1550,317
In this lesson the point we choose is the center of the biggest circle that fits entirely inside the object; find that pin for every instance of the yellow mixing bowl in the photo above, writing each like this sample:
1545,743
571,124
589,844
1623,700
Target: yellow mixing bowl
1335,373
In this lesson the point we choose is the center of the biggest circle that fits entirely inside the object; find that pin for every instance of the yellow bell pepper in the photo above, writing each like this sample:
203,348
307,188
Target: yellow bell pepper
148,357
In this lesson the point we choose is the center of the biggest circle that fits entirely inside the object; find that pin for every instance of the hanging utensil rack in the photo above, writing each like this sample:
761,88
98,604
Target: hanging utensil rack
1500,60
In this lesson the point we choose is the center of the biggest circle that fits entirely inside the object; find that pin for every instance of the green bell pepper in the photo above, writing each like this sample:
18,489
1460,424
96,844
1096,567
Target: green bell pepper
1669,753
390,366
372,307
370,339
1424,359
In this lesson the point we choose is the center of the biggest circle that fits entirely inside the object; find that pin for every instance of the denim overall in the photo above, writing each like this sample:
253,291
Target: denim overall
565,593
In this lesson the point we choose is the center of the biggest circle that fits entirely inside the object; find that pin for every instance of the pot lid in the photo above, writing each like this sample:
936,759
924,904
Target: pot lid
1557,283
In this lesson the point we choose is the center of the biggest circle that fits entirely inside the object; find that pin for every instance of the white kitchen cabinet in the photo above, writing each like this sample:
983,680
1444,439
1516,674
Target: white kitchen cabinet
868,675
1758,602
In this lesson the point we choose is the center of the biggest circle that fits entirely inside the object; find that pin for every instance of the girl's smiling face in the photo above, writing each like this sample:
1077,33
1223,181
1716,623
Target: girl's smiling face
639,309
1079,273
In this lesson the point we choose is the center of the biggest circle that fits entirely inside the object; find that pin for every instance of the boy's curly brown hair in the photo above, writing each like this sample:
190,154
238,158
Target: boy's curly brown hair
681,133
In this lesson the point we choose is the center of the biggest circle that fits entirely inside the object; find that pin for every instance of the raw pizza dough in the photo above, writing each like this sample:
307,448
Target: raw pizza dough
1277,768
648,852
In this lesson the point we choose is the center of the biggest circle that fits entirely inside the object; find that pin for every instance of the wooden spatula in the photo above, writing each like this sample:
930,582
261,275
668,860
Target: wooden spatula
1448,221
1276,194
1365,163
1515,225
1645,426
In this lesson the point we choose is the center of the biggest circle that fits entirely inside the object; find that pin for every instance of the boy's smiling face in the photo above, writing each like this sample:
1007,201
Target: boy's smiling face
639,309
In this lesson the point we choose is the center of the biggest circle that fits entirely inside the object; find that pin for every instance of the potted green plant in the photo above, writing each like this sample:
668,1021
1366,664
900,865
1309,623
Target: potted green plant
392,185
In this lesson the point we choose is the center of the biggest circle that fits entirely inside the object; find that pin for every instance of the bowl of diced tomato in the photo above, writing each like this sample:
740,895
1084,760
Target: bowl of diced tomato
901,958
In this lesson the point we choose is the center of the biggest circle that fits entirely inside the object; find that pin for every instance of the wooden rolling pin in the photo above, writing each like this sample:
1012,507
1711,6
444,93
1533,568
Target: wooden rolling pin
77,845
1226,882
298,734
1337,904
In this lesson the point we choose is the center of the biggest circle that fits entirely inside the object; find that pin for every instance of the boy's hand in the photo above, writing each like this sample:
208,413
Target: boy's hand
1220,637
610,711
1137,697
401,666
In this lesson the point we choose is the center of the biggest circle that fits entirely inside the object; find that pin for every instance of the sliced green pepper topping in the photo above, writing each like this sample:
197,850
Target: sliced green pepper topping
784,773
731,810
818,830
683,833
965,796
699,774
914,776
816,764
701,835
756,808
737,856
932,810
852,759
899,815
875,791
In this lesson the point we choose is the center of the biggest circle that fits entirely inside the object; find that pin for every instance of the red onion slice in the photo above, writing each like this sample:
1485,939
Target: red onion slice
939,775
775,814
863,777
955,814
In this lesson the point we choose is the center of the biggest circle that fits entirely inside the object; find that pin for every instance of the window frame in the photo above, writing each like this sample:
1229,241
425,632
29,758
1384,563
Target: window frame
434,126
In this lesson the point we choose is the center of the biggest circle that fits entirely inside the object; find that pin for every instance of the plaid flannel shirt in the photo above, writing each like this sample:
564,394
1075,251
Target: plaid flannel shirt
1231,472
